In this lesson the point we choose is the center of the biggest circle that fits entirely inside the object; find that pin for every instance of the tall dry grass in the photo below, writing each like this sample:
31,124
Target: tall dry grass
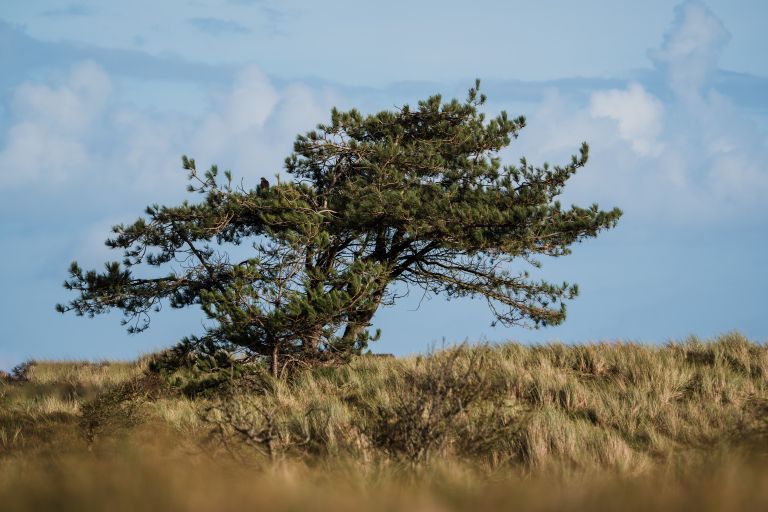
598,427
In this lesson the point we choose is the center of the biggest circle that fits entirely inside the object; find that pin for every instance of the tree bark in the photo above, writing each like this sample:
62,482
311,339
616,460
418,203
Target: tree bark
361,320
311,342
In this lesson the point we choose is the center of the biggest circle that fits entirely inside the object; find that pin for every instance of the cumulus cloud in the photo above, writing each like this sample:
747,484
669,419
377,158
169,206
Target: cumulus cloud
73,106
721,144
693,157
51,123
637,114
691,48
245,106
252,125
78,129
688,152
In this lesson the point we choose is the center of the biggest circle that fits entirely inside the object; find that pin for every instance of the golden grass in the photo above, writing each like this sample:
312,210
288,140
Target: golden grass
584,427
83,373
140,481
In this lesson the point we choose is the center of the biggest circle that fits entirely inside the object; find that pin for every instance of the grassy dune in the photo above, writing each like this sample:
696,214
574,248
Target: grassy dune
585,427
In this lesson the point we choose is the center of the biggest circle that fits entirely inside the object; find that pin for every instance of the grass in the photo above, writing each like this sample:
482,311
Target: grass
587,427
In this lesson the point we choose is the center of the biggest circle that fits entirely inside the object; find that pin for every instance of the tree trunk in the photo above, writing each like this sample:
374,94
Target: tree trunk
311,342
360,321
352,330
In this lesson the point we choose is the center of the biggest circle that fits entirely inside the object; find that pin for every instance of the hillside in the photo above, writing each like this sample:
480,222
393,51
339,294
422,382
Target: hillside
590,427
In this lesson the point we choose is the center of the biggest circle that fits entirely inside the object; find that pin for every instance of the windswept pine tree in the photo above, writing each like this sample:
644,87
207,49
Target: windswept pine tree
417,197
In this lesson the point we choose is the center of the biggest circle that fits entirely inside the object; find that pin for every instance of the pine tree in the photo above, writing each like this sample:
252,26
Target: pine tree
416,197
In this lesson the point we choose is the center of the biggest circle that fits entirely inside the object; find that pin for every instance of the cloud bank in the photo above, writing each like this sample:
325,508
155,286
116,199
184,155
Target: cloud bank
686,153
48,141
668,147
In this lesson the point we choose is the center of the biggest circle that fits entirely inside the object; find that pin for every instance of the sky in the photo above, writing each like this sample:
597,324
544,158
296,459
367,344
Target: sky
99,100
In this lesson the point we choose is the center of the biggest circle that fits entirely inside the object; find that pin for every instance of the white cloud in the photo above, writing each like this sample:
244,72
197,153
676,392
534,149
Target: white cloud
47,140
688,154
252,125
720,143
234,126
300,109
693,158
691,48
71,107
251,100
79,130
34,152
656,161
637,114
556,128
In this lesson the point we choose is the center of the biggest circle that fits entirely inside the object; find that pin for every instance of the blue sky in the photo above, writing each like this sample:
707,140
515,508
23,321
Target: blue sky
99,100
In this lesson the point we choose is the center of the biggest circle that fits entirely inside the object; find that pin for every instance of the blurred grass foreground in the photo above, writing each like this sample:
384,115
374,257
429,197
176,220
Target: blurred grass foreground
616,426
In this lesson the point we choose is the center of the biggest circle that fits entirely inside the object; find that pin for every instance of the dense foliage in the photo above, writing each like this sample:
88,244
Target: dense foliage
375,204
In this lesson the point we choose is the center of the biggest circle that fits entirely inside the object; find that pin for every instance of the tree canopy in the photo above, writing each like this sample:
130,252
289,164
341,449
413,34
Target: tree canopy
374,204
